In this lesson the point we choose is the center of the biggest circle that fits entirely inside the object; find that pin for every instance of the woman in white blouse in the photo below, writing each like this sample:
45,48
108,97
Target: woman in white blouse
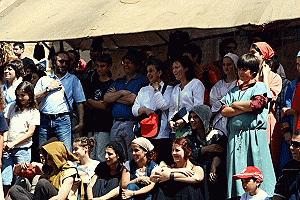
221,88
155,96
187,94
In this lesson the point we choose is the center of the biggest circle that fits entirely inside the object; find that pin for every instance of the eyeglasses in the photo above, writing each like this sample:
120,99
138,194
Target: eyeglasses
295,144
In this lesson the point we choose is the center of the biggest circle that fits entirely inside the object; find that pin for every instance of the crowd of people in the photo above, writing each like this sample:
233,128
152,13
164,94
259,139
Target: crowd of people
177,129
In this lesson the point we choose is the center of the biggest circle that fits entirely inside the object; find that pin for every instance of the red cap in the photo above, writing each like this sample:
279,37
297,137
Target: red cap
250,172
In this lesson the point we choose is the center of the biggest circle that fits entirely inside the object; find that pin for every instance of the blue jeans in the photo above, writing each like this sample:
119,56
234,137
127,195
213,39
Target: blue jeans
102,139
122,132
11,158
59,127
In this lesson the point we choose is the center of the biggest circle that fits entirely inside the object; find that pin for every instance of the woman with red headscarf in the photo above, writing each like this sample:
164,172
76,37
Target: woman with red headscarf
264,53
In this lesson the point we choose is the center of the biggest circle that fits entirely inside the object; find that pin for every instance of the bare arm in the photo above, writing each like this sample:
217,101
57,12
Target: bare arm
64,189
90,186
127,99
242,105
112,95
228,111
195,178
126,179
54,85
41,95
97,104
23,137
113,193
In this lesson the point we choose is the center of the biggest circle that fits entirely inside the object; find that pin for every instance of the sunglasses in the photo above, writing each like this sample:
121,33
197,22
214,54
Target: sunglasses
295,144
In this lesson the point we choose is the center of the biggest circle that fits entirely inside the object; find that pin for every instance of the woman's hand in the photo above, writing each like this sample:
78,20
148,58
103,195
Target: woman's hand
161,176
179,123
126,194
145,180
213,177
172,124
146,111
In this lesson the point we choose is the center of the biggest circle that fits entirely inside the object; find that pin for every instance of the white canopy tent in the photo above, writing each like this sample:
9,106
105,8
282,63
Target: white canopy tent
150,20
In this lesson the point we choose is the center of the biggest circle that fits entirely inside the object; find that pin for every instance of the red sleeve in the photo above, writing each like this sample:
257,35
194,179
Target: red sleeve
258,102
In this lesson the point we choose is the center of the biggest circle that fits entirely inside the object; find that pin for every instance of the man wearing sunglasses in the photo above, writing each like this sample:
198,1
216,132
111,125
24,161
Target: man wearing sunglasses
288,184
56,93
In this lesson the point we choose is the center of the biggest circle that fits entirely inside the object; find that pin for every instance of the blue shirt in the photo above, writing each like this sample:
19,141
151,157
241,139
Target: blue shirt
120,110
55,101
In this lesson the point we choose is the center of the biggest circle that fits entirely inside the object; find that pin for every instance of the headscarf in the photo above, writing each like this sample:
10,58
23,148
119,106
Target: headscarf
233,57
144,143
265,49
204,113
298,54
58,153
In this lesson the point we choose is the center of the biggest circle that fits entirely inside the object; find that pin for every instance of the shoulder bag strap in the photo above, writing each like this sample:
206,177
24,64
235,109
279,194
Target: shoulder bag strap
68,103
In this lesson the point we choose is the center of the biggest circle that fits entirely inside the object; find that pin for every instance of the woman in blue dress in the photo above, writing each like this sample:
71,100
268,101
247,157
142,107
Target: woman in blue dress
247,107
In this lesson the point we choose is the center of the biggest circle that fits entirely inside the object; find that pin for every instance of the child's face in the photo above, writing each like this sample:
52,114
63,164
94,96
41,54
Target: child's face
23,98
245,74
250,185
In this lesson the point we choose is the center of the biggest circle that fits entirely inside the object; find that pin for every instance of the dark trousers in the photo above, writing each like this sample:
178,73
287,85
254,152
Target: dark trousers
43,190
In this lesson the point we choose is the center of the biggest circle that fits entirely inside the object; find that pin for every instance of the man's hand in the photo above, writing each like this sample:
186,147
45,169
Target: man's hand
55,85
78,128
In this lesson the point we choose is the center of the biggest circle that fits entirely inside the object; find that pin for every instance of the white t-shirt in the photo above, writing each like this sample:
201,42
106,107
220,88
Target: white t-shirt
19,123
261,195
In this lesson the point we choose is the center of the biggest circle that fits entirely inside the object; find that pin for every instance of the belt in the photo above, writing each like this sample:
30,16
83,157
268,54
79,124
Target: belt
123,119
55,116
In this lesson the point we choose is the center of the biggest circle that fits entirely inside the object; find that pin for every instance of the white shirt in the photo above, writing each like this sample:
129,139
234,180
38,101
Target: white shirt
19,123
87,172
191,95
261,195
148,98
9,92
217,92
